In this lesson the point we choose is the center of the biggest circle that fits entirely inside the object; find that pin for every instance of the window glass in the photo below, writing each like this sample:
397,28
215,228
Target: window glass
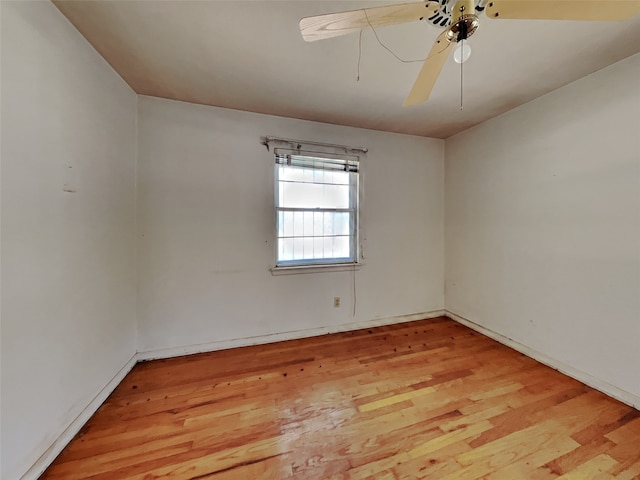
317,210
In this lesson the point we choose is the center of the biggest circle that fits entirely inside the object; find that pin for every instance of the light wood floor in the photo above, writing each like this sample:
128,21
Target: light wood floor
428,399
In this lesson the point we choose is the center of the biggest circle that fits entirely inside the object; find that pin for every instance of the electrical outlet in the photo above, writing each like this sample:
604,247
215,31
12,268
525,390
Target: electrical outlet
336,302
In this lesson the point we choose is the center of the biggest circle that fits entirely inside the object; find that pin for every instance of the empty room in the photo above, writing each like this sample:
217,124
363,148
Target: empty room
320,239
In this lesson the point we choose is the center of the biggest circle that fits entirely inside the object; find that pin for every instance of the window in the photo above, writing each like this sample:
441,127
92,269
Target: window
316,197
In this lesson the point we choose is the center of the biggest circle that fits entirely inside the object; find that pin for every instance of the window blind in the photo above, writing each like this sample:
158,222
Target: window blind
317,163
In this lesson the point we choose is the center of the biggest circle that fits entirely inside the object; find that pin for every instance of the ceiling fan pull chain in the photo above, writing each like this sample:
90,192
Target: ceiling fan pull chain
461,79
462,37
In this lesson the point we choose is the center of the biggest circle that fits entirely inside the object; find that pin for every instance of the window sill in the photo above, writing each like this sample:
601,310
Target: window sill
299,269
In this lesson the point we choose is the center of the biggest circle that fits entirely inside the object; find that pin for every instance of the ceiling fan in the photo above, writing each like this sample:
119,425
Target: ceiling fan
460,20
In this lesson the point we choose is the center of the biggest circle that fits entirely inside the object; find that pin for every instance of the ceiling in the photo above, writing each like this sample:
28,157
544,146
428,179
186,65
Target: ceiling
249,55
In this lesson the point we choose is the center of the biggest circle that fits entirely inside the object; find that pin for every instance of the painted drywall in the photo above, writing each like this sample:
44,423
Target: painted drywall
542,221
206,229
68,228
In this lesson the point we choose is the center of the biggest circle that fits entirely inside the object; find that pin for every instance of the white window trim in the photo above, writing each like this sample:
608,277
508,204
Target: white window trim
328,150
327,267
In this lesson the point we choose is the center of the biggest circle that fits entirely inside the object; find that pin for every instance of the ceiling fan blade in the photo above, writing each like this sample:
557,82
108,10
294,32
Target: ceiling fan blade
604,10
430,70
336,24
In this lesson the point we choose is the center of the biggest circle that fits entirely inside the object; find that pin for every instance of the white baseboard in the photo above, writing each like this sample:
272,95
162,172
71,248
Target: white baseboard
587,379
74,427
65,437
279,337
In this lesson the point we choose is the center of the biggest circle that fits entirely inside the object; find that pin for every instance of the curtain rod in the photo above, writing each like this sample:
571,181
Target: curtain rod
297,144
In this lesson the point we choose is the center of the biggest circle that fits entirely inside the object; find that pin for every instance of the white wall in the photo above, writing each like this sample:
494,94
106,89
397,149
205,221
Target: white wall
542,223
206,229
68,259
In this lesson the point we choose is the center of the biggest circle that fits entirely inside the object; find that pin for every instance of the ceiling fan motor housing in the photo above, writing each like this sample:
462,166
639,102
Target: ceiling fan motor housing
446,15
464,21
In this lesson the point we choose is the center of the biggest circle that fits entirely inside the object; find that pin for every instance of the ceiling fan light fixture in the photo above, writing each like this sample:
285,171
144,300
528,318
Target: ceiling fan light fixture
462,52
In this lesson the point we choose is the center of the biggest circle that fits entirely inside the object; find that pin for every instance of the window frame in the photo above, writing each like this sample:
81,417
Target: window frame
320,264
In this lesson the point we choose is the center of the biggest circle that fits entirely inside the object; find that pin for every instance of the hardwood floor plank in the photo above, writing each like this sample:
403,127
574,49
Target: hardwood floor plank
272,467
429,399
569,461
632,472
526,466
628,432
401,397
595,469
435,444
